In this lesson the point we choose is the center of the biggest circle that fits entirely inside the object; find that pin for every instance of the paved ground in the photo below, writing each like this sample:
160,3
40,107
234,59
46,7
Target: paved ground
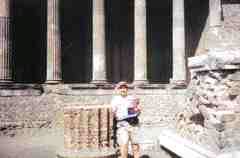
45,144
40,145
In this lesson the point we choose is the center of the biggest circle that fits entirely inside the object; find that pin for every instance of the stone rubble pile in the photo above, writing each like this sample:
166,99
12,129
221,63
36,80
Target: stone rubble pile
212,115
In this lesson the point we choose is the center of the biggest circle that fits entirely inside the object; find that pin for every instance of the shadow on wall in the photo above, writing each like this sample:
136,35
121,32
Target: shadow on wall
29,40
28,35
76,39
120,40
196,14
159,39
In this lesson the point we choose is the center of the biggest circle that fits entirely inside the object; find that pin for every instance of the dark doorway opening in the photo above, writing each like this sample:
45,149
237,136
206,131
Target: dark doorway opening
119,39
76,39
28,34
159,37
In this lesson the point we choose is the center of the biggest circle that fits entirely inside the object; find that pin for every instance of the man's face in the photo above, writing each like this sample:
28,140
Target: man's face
123,91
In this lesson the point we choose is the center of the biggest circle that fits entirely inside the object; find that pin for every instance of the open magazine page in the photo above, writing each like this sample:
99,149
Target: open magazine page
133,107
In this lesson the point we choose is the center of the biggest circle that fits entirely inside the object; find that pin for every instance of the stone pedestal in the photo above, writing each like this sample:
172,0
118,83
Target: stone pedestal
87,132
215,81
208,125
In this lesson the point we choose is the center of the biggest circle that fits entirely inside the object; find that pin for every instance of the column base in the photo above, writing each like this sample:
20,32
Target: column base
3,81
104,84
53,82
178,84
140,82
99,82
10,89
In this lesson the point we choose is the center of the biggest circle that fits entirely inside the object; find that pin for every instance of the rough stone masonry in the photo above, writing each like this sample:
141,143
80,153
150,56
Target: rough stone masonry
212,116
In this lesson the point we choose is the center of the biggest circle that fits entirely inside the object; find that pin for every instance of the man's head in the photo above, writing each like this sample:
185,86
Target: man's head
122,88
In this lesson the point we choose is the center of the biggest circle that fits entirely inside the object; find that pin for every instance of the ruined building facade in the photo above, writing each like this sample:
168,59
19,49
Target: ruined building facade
58,52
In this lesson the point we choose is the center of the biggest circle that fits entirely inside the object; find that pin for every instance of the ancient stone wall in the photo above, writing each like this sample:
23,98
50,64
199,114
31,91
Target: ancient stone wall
44,109
212,114
231,24
228,34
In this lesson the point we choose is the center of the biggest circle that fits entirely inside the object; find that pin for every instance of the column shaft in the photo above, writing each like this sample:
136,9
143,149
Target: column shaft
5,51
140,42
99,50
179,61
54,73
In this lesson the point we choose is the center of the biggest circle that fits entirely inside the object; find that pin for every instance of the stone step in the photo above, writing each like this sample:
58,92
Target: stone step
183,147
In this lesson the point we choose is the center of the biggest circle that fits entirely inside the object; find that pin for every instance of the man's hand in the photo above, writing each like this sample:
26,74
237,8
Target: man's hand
137,108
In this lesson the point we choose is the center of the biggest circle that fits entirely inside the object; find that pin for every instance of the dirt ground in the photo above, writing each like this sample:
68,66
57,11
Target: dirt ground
41,144
45,143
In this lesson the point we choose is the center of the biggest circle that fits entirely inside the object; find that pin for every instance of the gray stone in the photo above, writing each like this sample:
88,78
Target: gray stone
140,41
182,147
91,153
225,116
235,76
215,60
233,154
99,51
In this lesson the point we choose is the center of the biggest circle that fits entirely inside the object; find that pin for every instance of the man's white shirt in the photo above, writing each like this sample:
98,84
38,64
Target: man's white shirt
120,106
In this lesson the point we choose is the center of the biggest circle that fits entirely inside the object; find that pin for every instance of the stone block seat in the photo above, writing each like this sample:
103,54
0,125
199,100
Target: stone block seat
87,132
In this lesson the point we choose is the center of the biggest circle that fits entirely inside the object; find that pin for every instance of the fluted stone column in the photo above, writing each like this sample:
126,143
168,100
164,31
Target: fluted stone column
54,72
99,50
5,50
140,42
179,61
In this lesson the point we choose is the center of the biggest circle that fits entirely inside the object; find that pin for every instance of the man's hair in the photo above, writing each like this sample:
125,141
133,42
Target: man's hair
122,84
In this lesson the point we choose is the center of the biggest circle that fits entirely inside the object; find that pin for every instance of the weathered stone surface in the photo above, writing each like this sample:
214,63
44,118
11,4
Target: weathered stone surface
215,60
87,127
159,105
87,132
183,147
91,153
10,90
234,154
231,23
213,96
224,36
